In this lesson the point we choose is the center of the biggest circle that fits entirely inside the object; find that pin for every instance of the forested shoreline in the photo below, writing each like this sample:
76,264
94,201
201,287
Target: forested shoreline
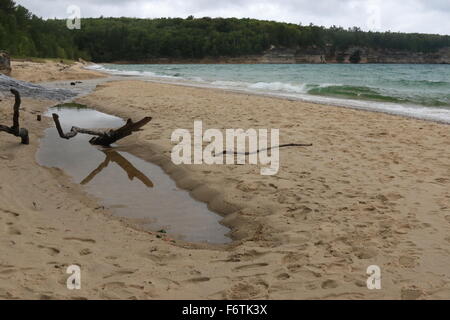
23,34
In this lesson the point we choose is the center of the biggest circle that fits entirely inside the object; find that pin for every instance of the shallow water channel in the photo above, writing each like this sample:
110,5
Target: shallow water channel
127,185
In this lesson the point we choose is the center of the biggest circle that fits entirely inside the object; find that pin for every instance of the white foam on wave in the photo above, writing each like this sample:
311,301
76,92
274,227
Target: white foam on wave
299,92
441,115
224,83
135,73
295,91
261,86
278,86
197,79
96,67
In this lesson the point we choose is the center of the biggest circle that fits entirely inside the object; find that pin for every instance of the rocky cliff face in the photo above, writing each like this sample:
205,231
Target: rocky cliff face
353,55
5,63
317,55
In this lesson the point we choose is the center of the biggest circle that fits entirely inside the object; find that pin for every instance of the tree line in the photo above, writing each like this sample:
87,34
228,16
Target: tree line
24,34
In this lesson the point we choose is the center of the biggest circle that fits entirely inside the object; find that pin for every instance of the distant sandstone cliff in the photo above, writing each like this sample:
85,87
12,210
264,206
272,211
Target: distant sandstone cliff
354,55
317,55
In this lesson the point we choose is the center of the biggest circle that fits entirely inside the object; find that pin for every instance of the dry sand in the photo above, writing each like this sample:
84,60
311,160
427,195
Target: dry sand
373,190
51,71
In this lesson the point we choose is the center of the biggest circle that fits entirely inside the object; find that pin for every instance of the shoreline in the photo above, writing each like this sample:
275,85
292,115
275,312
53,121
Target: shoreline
390,108
281,97
231,61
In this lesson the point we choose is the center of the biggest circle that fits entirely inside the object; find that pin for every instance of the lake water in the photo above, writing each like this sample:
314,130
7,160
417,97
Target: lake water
421,91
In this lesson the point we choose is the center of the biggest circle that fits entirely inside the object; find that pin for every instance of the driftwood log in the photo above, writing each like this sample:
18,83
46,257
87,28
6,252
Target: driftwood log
16,130
102,138
265,149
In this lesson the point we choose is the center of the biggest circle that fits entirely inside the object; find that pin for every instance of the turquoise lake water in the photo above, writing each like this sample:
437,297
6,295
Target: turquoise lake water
421,91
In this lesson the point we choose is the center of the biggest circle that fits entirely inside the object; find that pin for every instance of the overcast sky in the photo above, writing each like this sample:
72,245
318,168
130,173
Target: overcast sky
426,16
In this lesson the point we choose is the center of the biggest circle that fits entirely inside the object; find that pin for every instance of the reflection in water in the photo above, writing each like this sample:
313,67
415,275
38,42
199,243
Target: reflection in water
121,182
114,156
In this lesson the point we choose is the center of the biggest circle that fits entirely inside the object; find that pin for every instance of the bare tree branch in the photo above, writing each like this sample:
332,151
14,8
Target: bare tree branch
265,149
15,129
102,138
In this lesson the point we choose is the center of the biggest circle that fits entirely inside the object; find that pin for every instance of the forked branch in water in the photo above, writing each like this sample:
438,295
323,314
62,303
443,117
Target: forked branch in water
15,129
127,166
102,138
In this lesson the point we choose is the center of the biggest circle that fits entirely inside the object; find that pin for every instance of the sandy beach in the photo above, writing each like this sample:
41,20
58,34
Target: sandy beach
36,71
374,189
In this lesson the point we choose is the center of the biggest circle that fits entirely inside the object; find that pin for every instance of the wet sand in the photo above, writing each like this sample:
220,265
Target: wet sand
373,190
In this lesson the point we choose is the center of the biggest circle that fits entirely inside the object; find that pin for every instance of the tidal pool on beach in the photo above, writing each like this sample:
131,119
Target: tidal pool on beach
127,185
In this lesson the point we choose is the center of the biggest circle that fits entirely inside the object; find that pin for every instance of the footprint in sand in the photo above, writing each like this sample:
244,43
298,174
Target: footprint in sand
85,252
250,255
361,283
4,294
411,294
11,213
293,257
407,262
251,266
50,251
283,276
365,253
13,230
121,273
199,279
80,239
441,180
57,265
9,271
110,286
329,284
243,291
